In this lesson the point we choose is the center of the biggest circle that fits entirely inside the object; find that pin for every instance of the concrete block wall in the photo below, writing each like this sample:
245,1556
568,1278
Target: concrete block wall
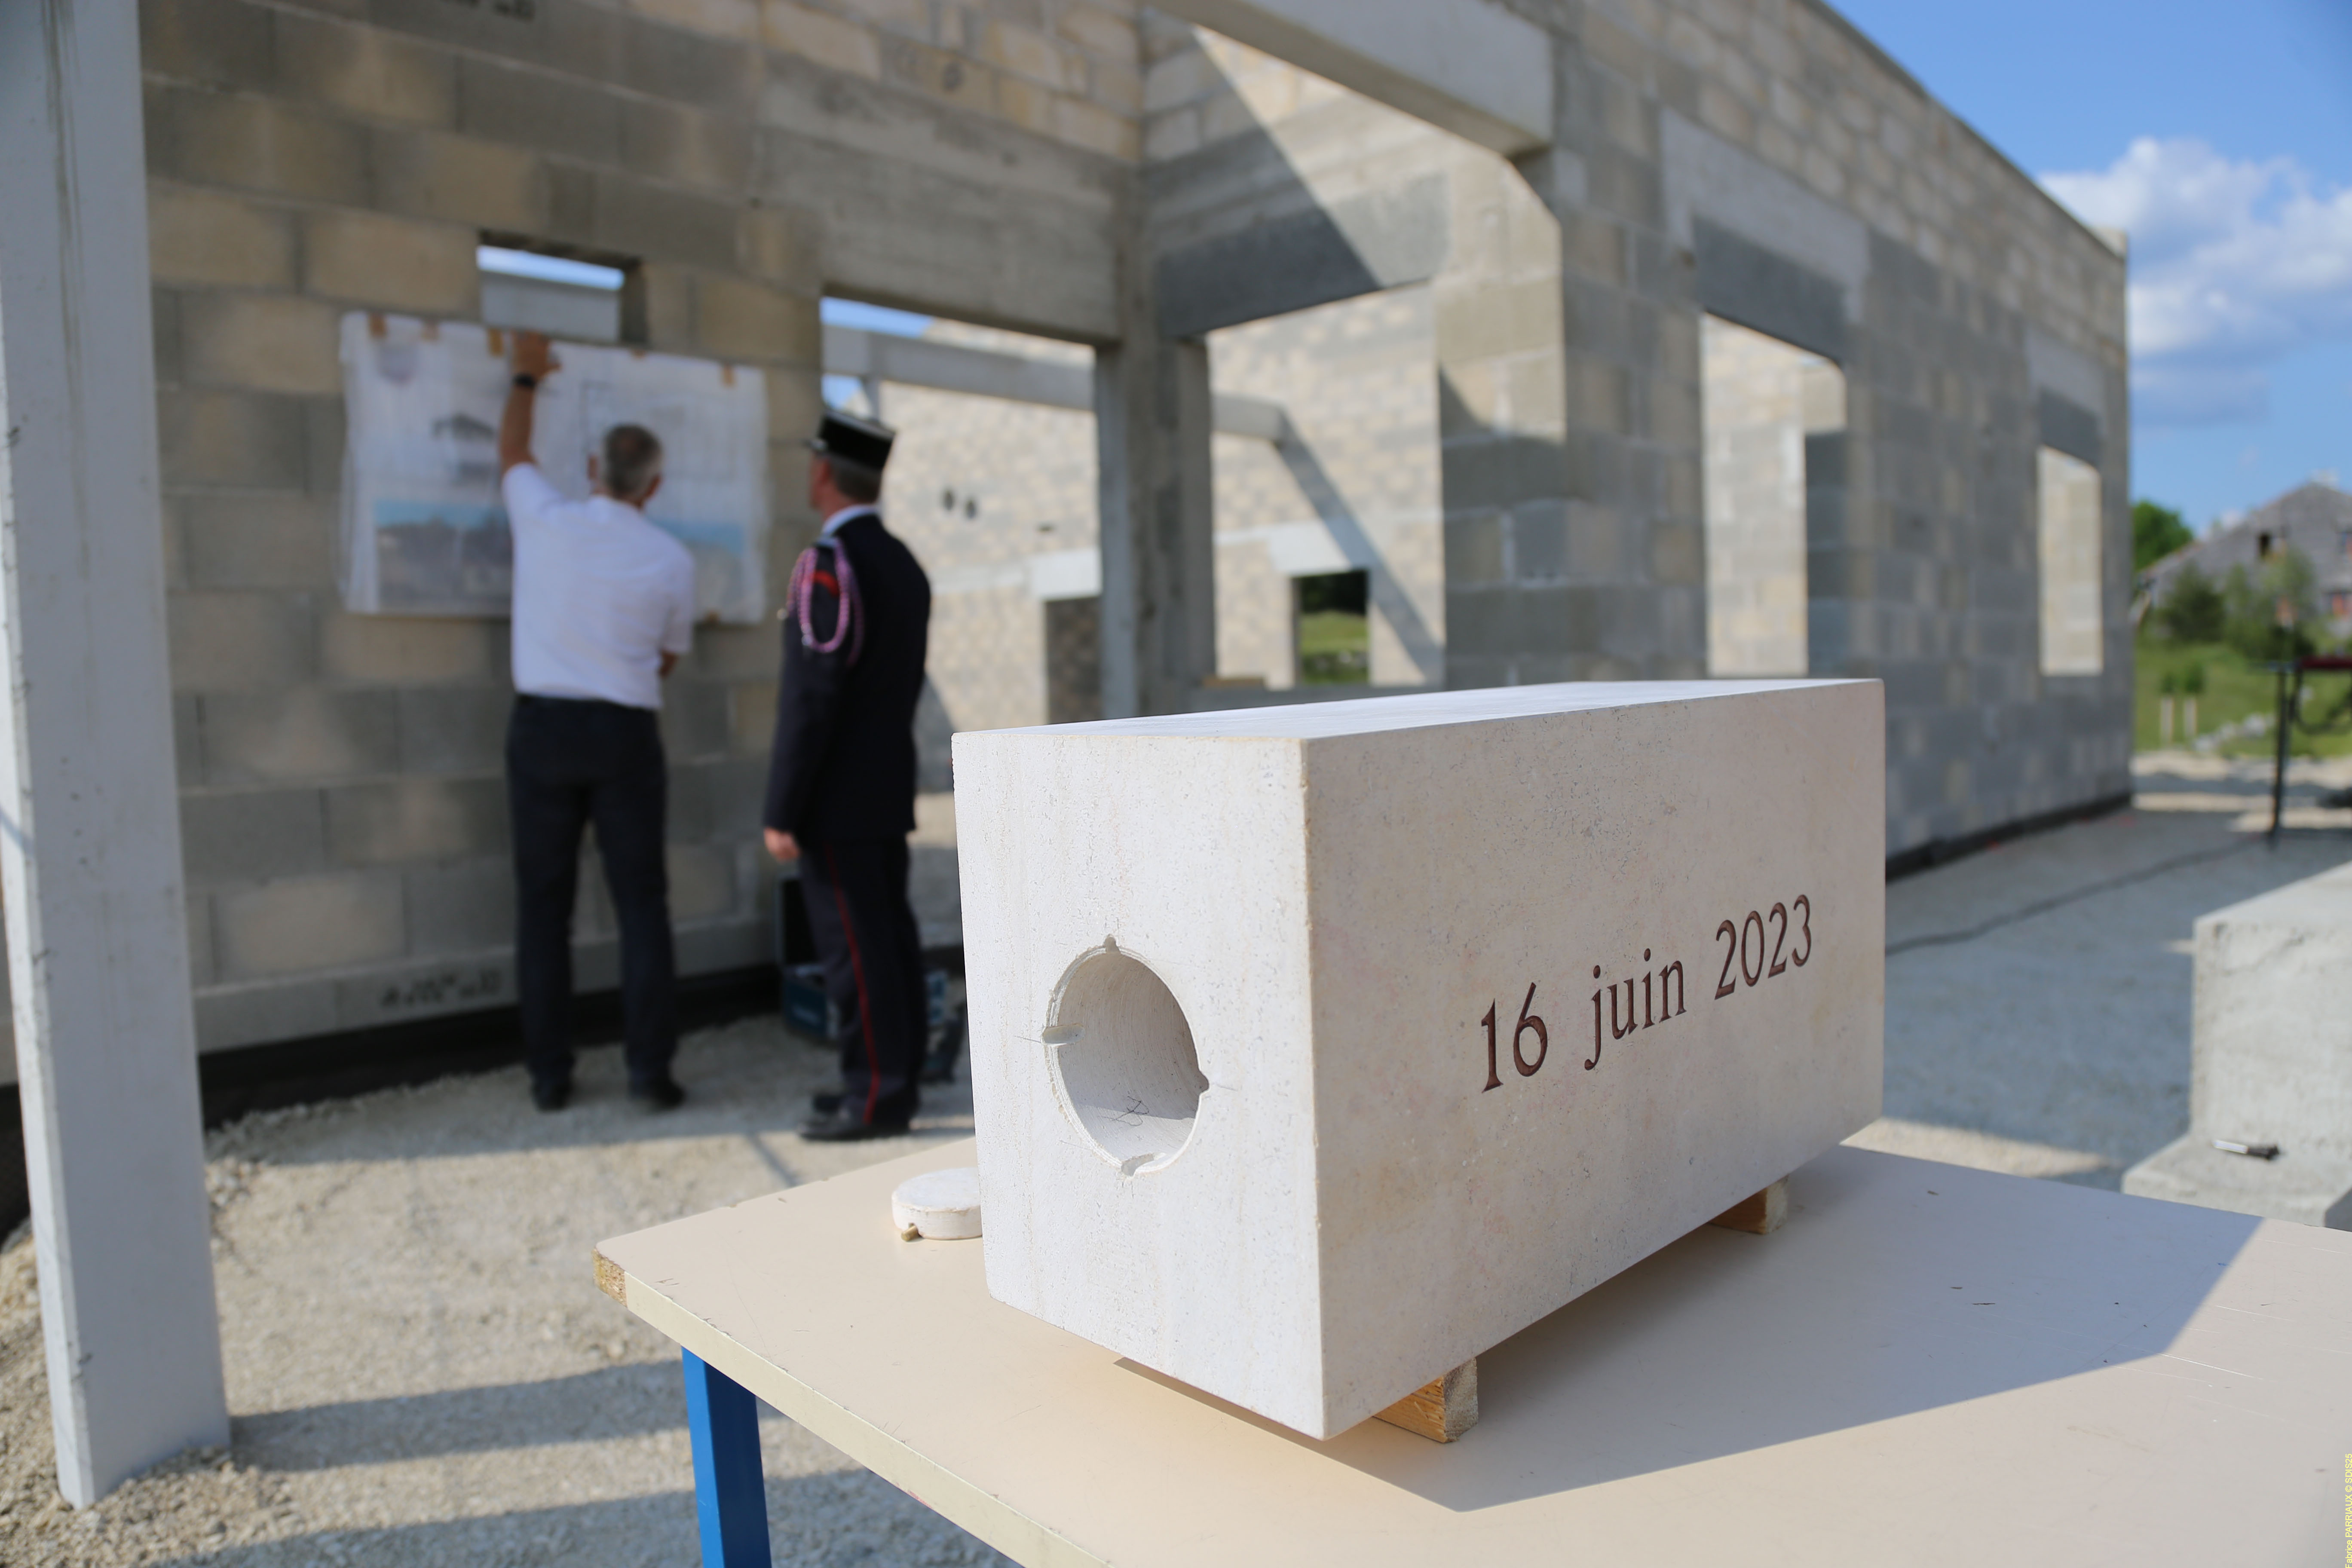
1353,484
1767,165
998,499
341,776
1762,404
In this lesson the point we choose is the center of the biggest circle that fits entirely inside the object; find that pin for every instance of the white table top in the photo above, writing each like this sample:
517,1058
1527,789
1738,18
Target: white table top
1927,1364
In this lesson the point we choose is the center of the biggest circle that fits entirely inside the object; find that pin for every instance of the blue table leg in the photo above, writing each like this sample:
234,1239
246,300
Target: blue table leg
731,1500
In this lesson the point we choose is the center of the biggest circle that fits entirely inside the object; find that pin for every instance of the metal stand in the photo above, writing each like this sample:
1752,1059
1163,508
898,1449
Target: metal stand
730,1498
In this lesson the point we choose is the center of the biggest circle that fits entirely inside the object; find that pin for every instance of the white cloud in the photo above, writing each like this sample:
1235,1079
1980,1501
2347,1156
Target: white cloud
2232,266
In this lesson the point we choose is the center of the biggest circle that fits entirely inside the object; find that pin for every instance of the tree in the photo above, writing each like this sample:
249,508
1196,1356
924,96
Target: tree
2268,612
2192,611
2157,533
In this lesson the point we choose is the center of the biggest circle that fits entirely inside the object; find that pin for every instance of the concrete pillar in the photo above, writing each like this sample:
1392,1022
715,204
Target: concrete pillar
90,840
1154,417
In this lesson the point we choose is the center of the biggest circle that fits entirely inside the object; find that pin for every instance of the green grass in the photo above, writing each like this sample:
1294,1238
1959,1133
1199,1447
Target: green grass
2234,688
1335,648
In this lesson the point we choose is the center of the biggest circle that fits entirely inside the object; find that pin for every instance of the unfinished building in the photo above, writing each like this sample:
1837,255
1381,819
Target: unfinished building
1619,339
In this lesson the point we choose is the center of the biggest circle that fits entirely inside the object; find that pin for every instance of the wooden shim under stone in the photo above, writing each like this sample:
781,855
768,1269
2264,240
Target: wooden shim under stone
1760,1213
1441,1409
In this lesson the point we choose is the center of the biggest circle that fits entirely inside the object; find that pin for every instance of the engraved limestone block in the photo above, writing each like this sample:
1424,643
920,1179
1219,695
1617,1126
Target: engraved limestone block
2272,1061
1317,1050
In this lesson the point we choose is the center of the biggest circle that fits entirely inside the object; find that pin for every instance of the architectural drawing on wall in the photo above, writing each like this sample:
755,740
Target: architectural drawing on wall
424,532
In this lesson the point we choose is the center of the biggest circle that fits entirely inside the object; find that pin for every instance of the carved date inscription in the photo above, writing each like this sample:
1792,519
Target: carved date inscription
1757,949
1744,944
1657,1006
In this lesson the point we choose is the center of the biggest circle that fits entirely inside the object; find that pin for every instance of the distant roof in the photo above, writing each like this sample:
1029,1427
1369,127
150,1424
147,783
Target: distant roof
2315,518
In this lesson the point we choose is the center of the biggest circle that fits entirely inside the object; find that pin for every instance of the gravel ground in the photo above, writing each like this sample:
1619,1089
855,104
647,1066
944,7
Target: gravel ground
422,1371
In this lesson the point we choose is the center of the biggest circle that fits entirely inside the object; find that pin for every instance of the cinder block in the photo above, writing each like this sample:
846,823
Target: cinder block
784,248
464,907
401,651
665,141
228,1015
702,882
407,821
163,324
238,642
1116,89
453,729
668,295
641,219
221,43
365,70
466,982
735,319
187,738
1105,34
1474,549
824,40
937,73
230,438
455,179
689,819
201,967
257,540
1235,1038
736,653
255,143
573,119
1026,52
714,74
251,835
737,19
694,722
309,924
751,717
209,236
302,732
273,343
372,259
1097,129
580,41
323,428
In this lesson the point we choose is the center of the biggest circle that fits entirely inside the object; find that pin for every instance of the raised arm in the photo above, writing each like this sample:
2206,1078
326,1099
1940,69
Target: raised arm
532,358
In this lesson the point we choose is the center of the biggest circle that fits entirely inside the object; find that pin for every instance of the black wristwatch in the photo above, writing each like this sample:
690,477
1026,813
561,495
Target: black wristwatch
527,383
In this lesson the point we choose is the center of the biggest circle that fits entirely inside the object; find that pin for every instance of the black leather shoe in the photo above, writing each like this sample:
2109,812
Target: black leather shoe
843,1127
551,1096
828,1102
658,1093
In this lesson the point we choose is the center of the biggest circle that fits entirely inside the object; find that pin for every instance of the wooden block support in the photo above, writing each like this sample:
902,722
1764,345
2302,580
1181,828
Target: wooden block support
1441,1409
1760,1213
612,1280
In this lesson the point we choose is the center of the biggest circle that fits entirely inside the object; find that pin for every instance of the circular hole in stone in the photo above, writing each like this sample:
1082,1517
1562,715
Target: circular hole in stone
1123,1054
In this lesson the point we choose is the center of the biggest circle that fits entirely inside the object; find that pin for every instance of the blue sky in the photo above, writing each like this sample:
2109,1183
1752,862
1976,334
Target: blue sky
2222,137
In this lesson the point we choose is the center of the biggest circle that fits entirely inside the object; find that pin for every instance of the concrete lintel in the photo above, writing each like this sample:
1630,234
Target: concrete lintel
1464,66
983,373
1712,181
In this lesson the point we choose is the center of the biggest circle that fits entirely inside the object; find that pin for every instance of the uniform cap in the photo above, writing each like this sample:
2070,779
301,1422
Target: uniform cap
864,442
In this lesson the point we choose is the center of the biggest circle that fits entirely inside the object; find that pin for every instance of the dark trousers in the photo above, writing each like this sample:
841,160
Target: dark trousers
571,763
856,892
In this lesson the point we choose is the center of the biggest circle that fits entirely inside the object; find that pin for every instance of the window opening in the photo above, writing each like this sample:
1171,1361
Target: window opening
1333,628
1774,418
2072,627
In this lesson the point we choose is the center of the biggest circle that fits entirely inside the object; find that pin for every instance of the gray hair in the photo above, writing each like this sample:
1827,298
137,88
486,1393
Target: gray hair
632,461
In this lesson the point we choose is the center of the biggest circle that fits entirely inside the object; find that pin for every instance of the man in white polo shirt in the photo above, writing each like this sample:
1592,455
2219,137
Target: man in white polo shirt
604,609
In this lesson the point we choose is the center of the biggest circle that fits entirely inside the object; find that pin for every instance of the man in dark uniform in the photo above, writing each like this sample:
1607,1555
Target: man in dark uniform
841,781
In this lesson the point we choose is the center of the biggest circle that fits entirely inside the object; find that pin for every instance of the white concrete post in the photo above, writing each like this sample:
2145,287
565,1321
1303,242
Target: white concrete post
89,834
